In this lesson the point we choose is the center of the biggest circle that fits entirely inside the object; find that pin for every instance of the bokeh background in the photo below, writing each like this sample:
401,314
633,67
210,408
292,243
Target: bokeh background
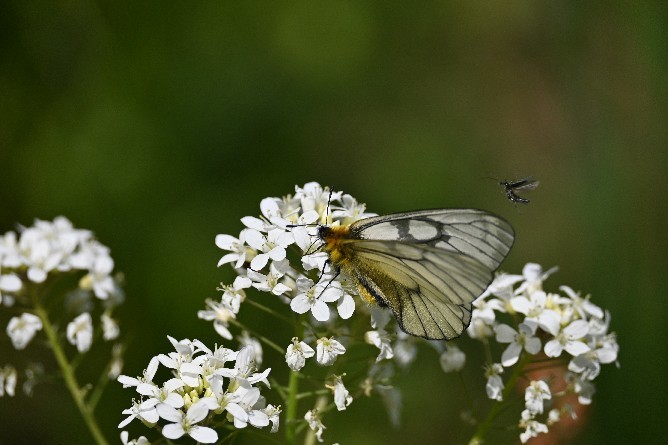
159,126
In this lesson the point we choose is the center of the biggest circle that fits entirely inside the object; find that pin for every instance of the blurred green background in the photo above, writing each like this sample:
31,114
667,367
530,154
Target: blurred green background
159,126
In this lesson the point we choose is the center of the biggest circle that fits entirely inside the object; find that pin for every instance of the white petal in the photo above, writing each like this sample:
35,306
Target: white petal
169,413
203,434
504,333
532,345
255,239
511,354
253,223
346,306
549,321
320,311
277,253
576,348
10,283
237,411
300,304
330,294
258,418
197,411
225,242
553,348
577,329
259,261
280,289
520,304
173,431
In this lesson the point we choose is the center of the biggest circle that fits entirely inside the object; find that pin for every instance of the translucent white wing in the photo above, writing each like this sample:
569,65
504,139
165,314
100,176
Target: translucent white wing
428,266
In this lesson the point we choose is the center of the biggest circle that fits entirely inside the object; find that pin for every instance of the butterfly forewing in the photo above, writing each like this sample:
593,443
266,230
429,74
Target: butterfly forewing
428,266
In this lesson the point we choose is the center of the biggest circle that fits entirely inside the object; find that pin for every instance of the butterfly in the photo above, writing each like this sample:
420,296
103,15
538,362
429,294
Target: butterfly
525,184
427,266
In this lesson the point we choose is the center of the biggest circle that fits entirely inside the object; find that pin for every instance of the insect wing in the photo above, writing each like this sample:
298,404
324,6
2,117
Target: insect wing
524,184
429,266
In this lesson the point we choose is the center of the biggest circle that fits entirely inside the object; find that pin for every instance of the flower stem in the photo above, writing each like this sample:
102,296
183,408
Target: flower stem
291,409
68,374
481,431
293,391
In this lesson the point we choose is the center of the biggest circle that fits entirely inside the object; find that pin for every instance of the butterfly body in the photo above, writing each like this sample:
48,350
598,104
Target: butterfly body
426,266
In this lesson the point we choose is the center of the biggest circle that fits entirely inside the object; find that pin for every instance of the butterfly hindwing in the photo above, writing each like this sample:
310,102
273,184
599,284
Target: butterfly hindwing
428,266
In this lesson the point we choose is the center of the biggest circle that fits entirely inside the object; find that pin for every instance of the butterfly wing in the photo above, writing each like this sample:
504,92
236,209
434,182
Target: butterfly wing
429,266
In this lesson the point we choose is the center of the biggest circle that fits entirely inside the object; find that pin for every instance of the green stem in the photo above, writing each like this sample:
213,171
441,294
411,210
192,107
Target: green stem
293,390
291,408
479,435
68,374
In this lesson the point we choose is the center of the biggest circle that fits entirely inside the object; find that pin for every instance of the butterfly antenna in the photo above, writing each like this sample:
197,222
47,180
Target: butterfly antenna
329,201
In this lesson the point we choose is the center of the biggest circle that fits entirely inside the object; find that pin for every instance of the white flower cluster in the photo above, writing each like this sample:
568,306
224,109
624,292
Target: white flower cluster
206,387
48,249
259,256
302,279
560,326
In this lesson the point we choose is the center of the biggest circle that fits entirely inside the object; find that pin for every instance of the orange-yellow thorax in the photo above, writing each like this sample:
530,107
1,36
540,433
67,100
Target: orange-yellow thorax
335,239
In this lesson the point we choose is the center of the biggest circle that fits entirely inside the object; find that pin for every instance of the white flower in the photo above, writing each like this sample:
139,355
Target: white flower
381,340
221,313
10,255
479,328
533,427
297,354
98,278
272,413
405,349
569,338
249,401
140,441
524,339
22,329
534,277
9,283
588,364
314,197
327,349
147,376
270,282
314,298
502,287
535,394
535,310
80,332
553,416
230,401
272,246
145,411
187,365
312,417
7,381
110,329
494,386
342,397
350,210
234,294
452,359
582,306
582,387
186,424
245,340
241,253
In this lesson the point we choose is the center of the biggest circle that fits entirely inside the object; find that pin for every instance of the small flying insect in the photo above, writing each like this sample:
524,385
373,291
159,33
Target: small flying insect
525,184
427,266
